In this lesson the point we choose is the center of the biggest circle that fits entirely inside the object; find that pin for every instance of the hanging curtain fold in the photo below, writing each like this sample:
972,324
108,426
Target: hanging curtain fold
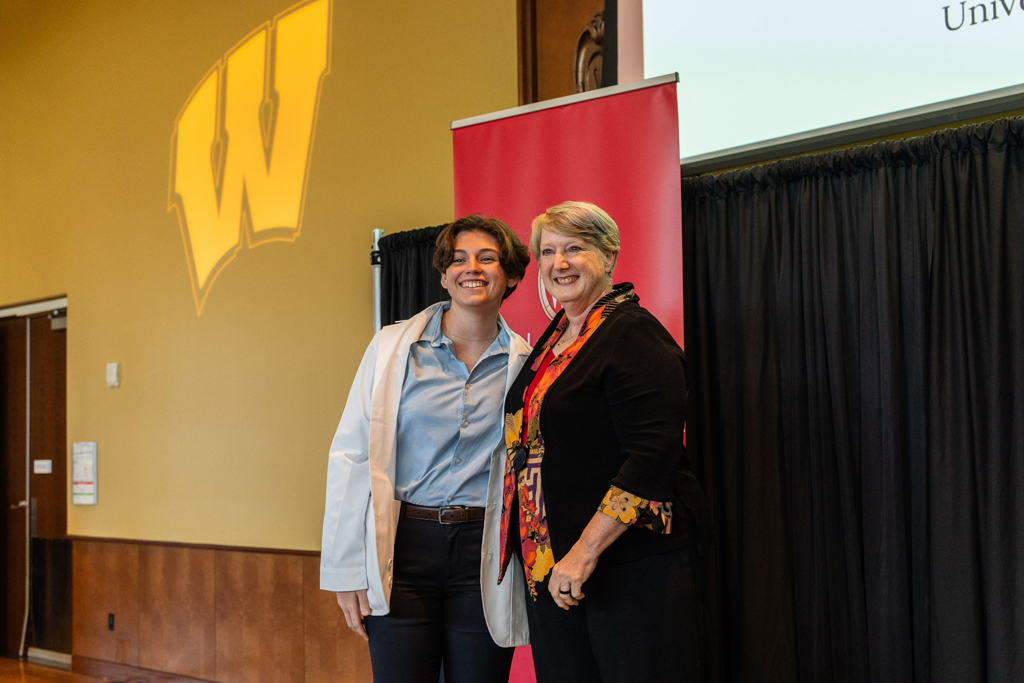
409,281
855,332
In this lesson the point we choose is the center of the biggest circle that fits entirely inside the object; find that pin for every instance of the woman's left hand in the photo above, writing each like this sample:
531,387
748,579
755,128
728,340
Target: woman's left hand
567,576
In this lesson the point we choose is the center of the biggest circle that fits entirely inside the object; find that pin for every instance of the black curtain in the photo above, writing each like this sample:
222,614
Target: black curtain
855,332
408,280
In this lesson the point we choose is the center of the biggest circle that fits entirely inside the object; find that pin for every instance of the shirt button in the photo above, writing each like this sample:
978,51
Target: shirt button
458,460
450,499
465,423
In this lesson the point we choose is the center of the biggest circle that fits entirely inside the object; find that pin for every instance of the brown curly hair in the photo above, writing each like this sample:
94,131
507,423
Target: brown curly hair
512,253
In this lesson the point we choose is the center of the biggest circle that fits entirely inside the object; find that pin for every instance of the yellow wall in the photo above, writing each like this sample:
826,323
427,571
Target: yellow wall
220,429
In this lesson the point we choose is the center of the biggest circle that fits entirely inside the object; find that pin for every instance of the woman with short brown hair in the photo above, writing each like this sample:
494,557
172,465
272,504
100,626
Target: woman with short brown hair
414,476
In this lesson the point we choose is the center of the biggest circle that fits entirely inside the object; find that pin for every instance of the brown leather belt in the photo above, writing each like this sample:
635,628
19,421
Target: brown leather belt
452,514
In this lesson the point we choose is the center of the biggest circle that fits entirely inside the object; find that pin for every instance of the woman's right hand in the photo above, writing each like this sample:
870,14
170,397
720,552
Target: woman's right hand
355,606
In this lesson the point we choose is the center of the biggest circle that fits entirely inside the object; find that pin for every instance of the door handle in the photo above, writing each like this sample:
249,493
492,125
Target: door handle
21,504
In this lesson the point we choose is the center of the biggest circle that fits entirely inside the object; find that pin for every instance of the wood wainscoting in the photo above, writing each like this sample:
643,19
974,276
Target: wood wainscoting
183,612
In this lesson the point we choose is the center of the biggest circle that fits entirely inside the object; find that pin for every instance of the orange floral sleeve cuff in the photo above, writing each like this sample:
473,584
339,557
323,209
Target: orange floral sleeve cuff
624,507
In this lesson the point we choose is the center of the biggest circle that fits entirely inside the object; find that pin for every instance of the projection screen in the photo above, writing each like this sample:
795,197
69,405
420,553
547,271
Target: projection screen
756,75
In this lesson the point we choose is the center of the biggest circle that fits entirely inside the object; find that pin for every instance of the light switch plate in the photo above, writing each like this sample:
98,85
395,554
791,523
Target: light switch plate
113,374
42,466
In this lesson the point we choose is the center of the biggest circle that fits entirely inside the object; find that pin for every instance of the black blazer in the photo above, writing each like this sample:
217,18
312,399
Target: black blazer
615,416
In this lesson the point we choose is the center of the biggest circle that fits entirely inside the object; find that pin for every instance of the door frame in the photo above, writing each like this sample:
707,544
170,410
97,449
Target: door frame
26,310
34,306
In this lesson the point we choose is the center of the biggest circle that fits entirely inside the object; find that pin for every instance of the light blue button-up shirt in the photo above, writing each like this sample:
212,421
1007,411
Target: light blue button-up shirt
449,420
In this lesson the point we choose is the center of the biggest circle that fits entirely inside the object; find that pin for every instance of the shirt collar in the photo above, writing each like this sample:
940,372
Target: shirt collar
432,333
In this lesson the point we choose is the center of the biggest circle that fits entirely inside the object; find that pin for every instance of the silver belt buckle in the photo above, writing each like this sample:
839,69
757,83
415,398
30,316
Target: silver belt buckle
440,513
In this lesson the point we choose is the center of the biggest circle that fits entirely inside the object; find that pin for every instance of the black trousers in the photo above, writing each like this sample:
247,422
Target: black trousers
436,610
638,622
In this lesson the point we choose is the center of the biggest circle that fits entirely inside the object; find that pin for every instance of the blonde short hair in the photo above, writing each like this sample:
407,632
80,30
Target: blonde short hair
578,219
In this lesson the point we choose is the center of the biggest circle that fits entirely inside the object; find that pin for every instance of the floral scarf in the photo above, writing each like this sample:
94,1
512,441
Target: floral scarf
523,473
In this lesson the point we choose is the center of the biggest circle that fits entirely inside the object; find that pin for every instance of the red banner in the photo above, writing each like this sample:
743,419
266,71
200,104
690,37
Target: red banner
619,151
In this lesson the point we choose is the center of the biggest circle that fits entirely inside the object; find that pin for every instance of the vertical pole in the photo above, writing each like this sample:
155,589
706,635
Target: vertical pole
375,266
28,480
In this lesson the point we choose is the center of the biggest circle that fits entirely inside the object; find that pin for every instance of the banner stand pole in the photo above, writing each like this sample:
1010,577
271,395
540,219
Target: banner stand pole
375,267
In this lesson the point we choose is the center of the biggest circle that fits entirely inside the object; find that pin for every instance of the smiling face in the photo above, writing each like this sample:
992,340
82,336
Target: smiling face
574,271
475,277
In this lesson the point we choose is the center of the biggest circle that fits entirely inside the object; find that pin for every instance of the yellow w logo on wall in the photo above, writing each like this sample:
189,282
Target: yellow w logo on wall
241,146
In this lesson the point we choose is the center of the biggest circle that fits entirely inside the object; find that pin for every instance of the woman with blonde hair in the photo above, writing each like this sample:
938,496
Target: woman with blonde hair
595,470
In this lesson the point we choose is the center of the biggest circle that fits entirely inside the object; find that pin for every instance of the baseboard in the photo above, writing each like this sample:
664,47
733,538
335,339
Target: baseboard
122,672
54,660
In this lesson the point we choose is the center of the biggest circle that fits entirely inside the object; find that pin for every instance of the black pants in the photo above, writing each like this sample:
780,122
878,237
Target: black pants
436,610
638,622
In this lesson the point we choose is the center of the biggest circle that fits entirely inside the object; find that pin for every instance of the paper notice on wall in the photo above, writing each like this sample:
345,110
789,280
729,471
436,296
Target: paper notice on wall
83,473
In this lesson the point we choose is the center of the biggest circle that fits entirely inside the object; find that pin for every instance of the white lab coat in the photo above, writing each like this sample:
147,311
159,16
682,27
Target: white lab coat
361,514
